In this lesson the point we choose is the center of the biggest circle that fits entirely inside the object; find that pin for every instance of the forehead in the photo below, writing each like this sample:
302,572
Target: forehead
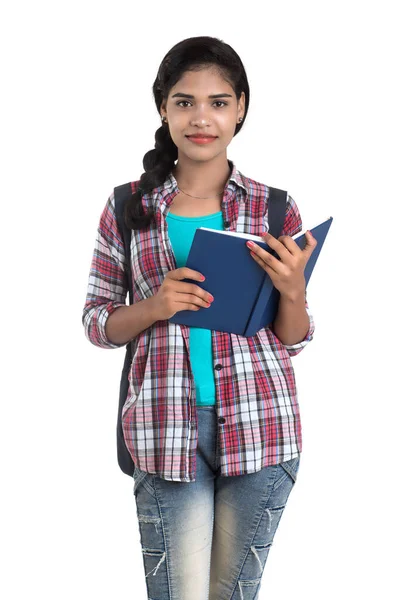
204,82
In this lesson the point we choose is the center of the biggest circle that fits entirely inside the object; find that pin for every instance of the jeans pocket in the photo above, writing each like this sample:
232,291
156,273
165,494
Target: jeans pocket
287,472
145,478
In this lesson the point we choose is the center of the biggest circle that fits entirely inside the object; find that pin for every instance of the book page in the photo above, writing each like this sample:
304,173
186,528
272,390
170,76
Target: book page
245,236
256,238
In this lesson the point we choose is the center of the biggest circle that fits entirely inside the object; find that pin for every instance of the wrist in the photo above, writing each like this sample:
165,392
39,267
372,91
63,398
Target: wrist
293,297
152,308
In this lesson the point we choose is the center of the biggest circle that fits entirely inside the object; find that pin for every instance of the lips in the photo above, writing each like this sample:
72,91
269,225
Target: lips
201,139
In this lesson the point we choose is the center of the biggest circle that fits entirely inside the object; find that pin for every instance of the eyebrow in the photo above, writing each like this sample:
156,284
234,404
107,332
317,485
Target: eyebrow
179,95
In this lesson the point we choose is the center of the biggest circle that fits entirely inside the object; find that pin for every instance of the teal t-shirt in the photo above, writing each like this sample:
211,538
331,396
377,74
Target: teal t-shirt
181,231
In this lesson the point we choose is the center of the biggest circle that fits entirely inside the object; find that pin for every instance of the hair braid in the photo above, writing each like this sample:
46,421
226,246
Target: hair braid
157,164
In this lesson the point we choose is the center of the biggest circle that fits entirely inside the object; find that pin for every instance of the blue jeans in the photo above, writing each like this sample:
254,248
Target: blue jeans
209,539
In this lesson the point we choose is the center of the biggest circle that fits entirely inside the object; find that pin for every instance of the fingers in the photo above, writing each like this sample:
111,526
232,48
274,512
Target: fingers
311,244
192,302
266,260
189,296
185,273
185,289
263,257
195,290
287,249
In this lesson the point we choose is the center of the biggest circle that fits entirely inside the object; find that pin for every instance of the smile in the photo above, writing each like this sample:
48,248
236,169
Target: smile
201,140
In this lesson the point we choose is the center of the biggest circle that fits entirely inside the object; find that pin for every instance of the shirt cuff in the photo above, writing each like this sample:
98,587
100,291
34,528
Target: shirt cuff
101,320
294,349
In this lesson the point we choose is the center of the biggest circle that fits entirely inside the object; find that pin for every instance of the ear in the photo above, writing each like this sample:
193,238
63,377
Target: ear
242,104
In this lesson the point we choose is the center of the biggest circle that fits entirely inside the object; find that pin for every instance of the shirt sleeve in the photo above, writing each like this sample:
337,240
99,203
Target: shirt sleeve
107,286
291,226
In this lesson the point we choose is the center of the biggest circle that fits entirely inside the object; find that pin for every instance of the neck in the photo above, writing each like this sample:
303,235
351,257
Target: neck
203,179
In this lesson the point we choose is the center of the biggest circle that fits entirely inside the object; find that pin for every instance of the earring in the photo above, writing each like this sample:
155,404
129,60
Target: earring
240,119
164,119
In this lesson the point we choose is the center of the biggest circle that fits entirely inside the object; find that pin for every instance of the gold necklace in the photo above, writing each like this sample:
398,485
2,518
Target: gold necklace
199,197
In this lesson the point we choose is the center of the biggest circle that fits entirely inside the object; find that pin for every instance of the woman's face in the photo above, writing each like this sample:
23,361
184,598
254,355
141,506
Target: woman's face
201,114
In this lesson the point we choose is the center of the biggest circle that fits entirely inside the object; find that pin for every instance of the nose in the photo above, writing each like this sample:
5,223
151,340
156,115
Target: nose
199,123
200,118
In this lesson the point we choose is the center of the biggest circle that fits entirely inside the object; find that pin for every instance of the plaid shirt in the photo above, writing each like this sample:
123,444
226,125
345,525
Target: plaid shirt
256,398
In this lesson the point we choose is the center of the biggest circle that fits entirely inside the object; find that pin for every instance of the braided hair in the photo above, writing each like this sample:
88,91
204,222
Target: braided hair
191,54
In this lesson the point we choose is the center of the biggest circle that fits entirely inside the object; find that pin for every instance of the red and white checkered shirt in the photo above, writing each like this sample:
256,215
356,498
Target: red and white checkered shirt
255,389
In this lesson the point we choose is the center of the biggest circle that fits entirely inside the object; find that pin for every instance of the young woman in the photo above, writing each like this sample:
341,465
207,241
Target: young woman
211,419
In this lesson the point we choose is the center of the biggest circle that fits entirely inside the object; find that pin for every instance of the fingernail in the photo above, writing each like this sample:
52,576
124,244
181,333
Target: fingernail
211,298
250,244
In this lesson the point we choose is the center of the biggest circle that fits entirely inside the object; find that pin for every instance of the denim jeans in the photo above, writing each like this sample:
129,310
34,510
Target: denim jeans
209,539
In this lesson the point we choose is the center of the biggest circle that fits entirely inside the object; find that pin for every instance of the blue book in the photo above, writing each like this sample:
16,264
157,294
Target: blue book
245,299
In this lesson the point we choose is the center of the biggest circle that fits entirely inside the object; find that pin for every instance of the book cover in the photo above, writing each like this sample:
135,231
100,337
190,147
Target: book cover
245,299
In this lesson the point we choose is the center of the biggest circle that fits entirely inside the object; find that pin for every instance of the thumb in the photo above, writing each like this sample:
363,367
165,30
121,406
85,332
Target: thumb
311,244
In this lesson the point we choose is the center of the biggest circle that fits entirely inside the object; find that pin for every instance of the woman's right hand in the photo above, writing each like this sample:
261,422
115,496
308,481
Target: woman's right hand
175,295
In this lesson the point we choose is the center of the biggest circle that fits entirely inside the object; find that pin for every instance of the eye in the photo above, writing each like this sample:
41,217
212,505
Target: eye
187,102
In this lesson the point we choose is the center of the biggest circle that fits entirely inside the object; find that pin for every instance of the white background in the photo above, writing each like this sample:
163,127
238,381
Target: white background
77,117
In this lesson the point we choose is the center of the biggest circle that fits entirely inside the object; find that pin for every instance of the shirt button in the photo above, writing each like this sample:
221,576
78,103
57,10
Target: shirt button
218,367
221,420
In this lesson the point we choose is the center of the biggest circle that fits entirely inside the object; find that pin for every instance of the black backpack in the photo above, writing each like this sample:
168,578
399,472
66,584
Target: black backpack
276,218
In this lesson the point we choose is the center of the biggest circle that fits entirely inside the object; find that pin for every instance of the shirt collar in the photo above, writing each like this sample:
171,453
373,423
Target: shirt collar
166,192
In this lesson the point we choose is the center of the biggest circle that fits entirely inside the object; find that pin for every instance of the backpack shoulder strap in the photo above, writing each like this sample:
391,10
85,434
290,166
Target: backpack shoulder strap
122,193
276,211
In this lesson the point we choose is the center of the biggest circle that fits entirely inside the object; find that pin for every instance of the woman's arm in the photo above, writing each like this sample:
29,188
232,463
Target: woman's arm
292,323
107,286
126,322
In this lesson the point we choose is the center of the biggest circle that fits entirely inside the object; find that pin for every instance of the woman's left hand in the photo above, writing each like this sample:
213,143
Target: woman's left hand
286,274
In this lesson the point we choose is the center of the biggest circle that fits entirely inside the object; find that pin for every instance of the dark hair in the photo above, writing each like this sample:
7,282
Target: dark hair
192,54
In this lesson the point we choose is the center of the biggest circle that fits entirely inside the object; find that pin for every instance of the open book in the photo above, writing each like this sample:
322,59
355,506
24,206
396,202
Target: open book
245,299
